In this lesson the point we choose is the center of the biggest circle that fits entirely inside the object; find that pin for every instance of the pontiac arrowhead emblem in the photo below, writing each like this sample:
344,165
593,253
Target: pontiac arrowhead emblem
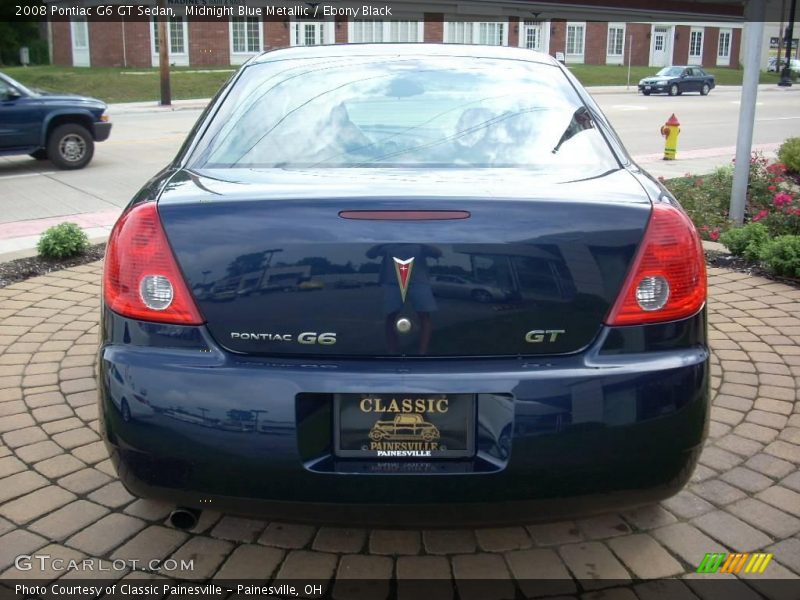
403,270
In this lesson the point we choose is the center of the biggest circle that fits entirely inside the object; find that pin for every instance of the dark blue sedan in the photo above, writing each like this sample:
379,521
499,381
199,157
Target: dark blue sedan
275,333
59,127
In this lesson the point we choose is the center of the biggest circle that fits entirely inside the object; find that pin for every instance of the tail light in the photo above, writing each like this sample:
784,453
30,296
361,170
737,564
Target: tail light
141,279
668,278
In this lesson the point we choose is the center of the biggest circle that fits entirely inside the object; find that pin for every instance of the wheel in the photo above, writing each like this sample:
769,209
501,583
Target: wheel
674,90
646,93
704,91
375,435
481,296
428,436
126,411
40,154
70,146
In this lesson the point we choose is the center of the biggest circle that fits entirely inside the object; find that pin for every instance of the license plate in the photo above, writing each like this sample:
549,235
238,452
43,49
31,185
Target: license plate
647,87
404,426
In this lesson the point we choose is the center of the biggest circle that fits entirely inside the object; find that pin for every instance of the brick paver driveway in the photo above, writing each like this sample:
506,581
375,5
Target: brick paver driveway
59,493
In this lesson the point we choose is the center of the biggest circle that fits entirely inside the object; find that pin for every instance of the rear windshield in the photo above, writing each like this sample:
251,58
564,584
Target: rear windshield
404,111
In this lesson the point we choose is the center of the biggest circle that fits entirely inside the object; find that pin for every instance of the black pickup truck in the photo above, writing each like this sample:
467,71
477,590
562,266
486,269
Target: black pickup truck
62,128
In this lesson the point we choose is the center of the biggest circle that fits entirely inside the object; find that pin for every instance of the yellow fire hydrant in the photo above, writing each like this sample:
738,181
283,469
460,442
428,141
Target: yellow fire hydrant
670,130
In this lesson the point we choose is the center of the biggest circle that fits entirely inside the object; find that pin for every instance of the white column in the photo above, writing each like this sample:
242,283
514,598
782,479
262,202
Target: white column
752,33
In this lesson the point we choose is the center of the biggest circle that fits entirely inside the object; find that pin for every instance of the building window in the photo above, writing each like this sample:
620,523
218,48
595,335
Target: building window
532,35
696,44
365,31
246,35
176,36
575,38
80,39
616,40
369,31
724,48
311,33
489,33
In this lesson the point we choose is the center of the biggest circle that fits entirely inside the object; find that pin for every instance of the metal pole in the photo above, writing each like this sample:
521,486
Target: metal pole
780,38
163,58
630,43
754,33
786,75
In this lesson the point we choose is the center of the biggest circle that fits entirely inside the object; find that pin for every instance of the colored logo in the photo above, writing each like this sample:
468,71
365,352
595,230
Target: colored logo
720,562
403,270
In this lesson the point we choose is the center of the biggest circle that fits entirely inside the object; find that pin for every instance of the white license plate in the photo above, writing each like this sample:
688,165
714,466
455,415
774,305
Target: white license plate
647,87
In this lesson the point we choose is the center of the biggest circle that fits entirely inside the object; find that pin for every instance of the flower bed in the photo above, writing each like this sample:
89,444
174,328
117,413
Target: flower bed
771,234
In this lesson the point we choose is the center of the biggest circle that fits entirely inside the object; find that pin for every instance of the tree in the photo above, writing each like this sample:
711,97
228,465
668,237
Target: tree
15,33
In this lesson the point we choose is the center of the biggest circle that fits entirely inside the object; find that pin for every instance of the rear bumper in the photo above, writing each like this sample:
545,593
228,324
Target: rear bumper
570,434
101,131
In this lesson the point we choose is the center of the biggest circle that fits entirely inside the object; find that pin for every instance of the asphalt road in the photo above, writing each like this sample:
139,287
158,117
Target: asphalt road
142,142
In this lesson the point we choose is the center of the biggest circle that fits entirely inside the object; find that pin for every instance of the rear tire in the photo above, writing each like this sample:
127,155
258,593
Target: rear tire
674,90
40,154
646,93
705,89
70,146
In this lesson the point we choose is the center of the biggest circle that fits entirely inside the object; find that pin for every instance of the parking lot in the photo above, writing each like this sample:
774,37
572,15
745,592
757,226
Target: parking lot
59,494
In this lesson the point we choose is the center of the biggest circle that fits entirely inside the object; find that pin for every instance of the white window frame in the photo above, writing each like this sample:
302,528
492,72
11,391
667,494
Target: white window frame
81,53
615,58
475,31
696,59
386,30
544,37
240,57
724,60
327,26
180,59
80,24
575,57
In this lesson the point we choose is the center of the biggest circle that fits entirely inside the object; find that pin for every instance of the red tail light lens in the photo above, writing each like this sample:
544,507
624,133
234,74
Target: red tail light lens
141,279
668,278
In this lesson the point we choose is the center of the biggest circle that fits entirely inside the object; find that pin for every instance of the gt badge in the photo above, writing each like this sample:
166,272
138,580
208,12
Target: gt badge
403,270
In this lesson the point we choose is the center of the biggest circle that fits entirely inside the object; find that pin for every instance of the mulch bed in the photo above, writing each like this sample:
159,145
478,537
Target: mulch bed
25,268
723,260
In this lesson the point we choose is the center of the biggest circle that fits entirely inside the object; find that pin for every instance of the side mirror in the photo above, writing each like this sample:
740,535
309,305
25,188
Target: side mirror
12,94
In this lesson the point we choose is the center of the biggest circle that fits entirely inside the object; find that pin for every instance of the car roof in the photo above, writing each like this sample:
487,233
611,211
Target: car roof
404,49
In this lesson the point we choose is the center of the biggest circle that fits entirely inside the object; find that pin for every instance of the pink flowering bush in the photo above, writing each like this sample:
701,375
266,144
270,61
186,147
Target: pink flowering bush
771,199
771,234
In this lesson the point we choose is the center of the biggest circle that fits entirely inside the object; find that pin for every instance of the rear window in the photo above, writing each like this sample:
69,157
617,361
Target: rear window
404,111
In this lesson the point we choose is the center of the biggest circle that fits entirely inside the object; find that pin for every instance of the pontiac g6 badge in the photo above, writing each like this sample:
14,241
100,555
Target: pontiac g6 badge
403,270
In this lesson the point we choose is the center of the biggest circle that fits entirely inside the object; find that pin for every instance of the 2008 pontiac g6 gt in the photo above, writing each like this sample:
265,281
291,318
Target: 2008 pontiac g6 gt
417,276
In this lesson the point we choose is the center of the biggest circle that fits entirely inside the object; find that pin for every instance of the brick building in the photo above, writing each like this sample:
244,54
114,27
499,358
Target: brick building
230,40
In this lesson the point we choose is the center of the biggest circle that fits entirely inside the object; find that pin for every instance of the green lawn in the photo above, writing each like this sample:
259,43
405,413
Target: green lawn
131,85
122,85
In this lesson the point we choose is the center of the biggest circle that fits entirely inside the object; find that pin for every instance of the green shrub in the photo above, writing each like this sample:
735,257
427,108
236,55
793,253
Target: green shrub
705,199
746,241
789,154
62,241
782,255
